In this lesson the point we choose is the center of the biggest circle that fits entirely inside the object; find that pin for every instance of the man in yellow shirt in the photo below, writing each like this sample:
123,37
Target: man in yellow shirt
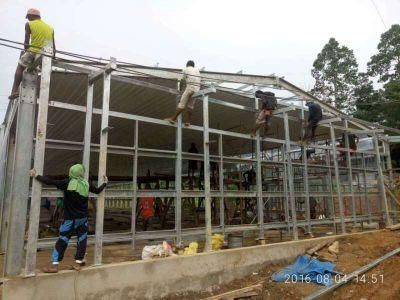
37,34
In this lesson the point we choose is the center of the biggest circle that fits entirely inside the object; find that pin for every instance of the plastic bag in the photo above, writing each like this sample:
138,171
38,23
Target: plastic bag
161,250
192,249
217,240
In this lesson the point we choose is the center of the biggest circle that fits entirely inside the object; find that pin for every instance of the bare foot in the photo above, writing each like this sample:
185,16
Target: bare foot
253,133
52,269
187,124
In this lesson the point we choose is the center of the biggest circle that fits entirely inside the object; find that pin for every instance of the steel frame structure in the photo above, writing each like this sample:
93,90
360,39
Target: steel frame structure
18,141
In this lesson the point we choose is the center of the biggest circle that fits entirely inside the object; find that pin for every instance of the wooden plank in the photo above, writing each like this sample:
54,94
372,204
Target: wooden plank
244,292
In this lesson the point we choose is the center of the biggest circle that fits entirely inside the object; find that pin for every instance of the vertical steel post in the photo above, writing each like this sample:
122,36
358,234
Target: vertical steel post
350,172
178,178
260,202
221,184
393,205
331,203
366,198
207,188
381,181
20,182
290,176
40,145
102,165
285,189
134,182
88,129
7,193
337,179
305,178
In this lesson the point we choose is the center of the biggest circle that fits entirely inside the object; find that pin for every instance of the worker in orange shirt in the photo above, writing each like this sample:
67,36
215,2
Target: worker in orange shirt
146,208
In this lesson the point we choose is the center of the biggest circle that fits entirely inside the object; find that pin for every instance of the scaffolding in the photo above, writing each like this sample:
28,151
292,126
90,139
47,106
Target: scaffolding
284,187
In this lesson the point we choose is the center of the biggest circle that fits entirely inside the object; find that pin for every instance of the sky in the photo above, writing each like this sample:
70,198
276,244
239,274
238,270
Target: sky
258,37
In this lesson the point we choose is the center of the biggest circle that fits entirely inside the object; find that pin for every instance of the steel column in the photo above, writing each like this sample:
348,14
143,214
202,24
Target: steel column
7,193
260,202
221,184
290,177
134,180
40,145
393,205
331,203
88,129
366,198
337,179
102,166
285,189
305,179
20,183
381,181
350,171
178,178
207,188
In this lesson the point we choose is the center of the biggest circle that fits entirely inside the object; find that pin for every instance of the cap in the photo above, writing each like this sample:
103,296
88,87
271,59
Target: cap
33,11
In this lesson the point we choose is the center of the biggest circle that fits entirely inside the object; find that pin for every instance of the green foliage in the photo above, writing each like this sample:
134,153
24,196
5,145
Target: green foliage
366,100
386,64
336,76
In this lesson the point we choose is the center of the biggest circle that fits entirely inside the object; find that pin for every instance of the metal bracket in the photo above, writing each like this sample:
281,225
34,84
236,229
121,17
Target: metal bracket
111,66
205,92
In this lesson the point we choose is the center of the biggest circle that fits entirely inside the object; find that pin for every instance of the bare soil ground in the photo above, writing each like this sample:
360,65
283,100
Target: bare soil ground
355,252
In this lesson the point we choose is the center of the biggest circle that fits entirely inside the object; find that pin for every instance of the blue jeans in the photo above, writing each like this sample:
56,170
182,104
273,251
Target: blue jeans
67,229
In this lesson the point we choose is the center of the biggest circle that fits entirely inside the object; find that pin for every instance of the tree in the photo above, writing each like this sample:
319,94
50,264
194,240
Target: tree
366,100
336,76
386,64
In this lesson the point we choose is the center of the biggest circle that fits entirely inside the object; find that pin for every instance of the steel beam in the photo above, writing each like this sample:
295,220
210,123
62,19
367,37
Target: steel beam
207,188
20,183
102,167
290,177
135,187
40,145
337,179
381,181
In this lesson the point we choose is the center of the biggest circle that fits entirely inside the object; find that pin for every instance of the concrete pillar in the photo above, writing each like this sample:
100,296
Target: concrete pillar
207,188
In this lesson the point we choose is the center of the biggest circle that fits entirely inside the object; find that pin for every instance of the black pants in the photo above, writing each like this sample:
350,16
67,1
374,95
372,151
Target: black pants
67,229
310,130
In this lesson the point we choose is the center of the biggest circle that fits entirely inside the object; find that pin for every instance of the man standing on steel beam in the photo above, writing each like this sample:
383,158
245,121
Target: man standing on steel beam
76,194
38,33
268,105
314,116
191,76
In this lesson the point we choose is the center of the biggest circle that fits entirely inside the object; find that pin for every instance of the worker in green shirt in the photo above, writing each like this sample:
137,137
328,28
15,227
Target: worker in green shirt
37,34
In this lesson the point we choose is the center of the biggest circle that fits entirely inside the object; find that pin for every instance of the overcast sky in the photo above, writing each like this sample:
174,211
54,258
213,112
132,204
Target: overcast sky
258,37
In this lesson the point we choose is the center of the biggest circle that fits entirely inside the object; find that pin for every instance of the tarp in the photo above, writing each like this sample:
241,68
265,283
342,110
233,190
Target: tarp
306,269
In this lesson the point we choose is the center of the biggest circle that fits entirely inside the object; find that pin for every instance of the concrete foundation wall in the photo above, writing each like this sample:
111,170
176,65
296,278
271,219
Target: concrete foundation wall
155,278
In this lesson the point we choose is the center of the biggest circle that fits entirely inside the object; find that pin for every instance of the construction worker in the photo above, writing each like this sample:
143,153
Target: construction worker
37,34
76,192
146,207
268,105
314,116
191,76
